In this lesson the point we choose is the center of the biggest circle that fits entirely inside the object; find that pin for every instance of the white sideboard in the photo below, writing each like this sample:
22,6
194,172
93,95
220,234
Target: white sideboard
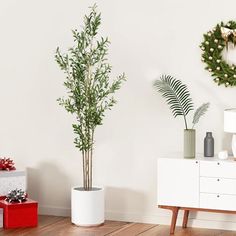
203,184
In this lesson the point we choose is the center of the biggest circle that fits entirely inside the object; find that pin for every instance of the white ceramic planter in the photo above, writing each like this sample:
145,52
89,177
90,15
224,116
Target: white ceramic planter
87,207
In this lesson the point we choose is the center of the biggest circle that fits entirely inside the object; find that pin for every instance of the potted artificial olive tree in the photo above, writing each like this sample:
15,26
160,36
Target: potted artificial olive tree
178,98
89,95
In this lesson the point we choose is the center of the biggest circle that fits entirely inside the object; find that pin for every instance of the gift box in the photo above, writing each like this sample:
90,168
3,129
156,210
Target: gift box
9,180
1,218
16,215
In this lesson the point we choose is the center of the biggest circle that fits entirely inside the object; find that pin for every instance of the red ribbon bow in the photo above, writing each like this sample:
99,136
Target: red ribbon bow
6,164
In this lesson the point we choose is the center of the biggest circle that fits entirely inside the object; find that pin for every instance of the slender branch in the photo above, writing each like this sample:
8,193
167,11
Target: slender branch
84,182
87,171
91,160
185,122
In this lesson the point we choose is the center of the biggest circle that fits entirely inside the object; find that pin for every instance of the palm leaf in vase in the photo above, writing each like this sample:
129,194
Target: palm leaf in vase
176,94
200,112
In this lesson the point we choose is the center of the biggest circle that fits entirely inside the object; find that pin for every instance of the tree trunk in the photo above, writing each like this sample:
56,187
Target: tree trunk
87,170
84,168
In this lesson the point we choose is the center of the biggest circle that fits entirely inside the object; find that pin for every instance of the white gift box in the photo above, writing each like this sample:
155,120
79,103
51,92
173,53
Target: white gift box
10,180
1,217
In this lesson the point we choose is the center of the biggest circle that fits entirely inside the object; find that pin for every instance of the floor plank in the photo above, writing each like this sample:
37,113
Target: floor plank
132,229
61,226
157,230
64,227
43,221
203,232
164,230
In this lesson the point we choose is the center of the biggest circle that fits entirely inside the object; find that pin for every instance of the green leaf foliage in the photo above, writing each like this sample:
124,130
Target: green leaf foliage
176,94
212,47
89,89
200,111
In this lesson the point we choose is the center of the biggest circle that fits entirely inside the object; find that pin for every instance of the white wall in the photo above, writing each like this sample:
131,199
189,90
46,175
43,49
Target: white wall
148,38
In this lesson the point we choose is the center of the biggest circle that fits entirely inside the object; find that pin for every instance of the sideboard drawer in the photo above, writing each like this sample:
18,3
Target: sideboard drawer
218,201
220,169
217,185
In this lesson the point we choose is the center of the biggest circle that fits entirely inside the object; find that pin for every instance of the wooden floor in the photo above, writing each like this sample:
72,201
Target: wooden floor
60,226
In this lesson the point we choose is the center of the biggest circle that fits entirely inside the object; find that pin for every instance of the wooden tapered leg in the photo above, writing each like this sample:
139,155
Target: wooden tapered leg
185,219
175,211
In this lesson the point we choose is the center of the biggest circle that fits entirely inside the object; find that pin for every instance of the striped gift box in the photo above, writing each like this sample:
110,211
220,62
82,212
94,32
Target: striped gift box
10,180
1,217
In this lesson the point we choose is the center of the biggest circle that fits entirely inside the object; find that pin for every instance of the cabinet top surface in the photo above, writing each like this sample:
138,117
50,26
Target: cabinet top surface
199,157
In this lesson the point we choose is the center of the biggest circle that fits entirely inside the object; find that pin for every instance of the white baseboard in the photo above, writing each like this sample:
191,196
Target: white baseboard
54,211
151,219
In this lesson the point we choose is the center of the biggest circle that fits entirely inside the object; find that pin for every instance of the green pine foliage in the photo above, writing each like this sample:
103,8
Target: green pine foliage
178,98
212,48
89,88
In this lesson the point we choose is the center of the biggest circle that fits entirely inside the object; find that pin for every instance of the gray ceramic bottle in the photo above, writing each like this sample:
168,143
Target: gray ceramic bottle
208,145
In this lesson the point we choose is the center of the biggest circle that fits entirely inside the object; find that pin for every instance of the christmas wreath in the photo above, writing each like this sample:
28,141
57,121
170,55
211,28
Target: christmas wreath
214,43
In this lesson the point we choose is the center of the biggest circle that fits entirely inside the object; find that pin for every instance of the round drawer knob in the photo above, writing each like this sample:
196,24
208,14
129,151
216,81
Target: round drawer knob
218,195
218,163
218,179
196,162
